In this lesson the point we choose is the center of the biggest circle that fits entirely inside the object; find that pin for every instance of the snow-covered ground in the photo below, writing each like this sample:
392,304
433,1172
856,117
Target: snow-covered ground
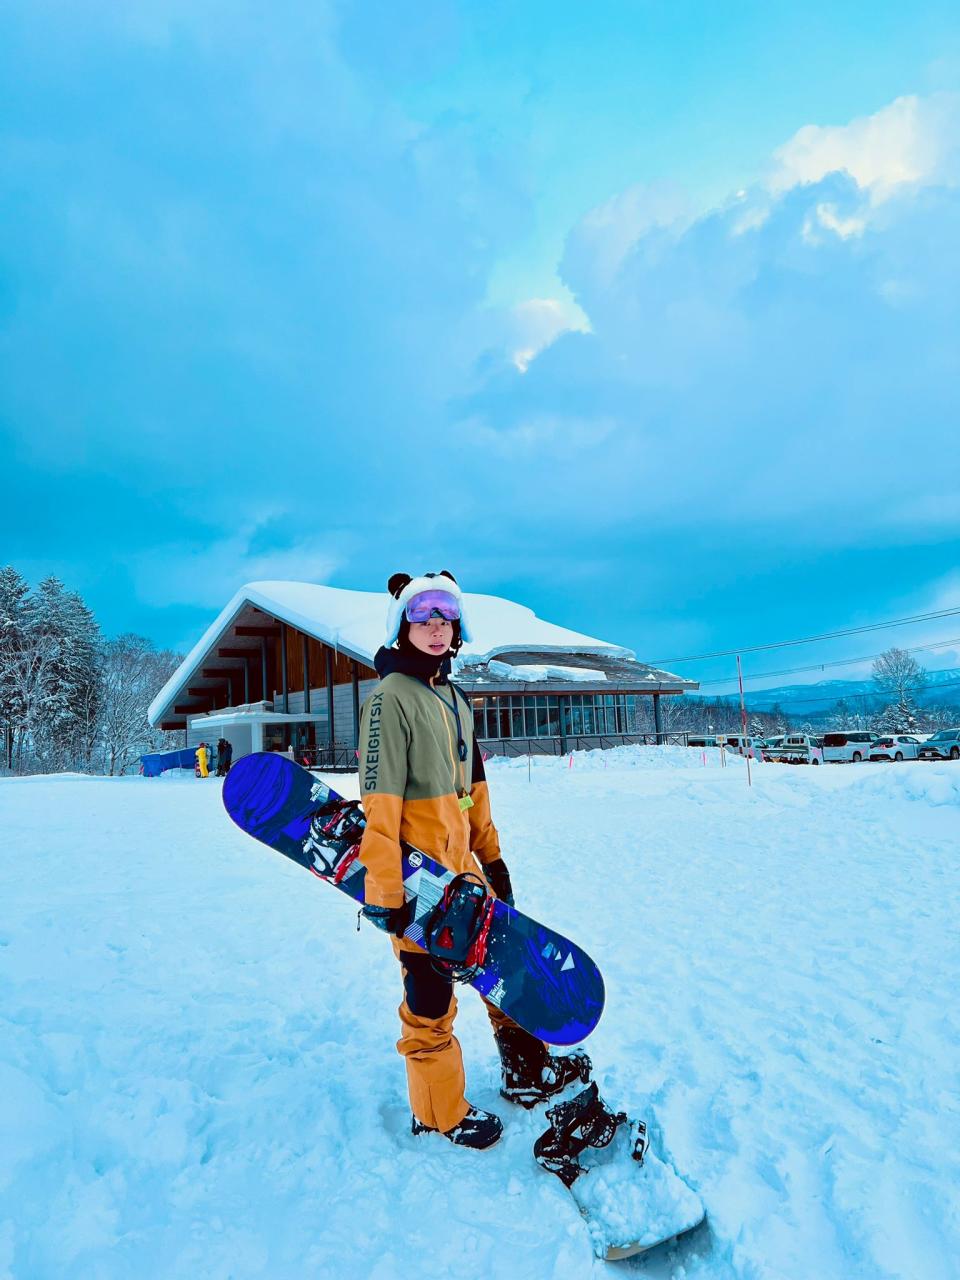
197,1073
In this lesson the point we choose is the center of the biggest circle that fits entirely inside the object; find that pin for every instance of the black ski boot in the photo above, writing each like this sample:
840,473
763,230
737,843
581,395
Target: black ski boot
585,1121
531,1074
477,1129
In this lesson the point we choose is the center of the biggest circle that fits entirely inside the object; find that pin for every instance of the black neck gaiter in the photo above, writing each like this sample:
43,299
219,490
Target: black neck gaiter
411,662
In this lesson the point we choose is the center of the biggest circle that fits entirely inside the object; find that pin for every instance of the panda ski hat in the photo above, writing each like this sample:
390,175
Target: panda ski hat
403,588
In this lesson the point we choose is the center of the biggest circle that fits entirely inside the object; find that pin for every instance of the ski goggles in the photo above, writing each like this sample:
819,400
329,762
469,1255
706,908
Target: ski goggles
432,604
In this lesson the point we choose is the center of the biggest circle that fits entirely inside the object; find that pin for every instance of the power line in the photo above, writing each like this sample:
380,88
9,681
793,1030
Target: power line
824,666
827,635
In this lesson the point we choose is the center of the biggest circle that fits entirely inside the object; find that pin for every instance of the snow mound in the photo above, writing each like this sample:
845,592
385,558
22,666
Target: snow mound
933,784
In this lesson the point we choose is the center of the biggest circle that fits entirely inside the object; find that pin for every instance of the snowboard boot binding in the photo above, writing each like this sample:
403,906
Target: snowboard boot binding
531,1074
477,1129
584,1121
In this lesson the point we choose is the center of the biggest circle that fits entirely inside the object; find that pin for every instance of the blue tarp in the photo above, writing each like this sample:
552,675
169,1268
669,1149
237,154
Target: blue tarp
158,761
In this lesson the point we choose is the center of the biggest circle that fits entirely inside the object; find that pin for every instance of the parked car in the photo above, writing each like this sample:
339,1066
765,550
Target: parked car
796,748
741,745
944,745
895,746
847,748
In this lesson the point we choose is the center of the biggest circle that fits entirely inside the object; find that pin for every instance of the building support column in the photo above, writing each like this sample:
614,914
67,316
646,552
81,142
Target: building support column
256,735
263,670
284,690
563,708
355,679
330,726
306,675
246,679
657,723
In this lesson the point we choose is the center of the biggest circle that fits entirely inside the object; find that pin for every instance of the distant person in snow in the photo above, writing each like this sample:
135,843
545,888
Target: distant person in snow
423,782
224,757
202,769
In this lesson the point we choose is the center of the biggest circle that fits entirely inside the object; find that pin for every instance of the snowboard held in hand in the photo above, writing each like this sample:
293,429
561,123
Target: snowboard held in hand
537,977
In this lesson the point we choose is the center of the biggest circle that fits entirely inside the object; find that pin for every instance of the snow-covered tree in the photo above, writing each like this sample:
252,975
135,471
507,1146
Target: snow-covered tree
65,707
897,717
940,717
14,623
781,723
757,729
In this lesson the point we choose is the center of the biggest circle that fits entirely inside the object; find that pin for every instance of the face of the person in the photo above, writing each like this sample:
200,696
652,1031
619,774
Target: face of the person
433,636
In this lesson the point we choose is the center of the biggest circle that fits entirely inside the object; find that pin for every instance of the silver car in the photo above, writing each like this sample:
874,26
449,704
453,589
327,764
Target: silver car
944,745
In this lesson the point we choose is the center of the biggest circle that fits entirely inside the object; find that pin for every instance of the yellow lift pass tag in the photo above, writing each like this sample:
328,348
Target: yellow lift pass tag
466,802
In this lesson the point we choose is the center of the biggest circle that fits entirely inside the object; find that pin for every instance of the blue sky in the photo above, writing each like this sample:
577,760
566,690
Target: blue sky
644,314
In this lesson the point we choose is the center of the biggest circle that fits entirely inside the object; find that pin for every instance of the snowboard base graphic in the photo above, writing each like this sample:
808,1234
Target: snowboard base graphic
539,978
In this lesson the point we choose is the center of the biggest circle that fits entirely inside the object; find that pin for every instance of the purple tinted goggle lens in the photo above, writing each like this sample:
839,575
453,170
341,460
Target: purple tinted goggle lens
422,607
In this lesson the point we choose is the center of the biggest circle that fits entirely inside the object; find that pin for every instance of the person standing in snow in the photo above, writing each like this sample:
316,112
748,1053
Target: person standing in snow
203,761
423,782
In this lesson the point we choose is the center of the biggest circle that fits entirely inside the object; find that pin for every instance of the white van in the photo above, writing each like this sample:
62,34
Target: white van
797,748
847,748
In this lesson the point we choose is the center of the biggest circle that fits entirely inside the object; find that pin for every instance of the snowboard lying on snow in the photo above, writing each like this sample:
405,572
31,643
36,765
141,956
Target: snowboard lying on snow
630,1199
539,978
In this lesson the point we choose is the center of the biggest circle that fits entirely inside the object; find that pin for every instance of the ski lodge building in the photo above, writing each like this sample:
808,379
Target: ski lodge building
287,665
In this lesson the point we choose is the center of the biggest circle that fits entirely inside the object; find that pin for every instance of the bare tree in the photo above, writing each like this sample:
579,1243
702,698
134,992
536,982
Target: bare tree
898,676
132,671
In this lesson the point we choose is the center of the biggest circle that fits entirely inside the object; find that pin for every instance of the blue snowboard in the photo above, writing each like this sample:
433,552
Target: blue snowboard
537,977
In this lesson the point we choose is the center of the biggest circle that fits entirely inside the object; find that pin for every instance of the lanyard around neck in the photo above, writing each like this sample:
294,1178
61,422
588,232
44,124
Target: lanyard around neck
461,743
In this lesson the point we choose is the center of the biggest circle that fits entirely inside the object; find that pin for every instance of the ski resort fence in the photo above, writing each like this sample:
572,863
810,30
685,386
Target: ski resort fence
578,742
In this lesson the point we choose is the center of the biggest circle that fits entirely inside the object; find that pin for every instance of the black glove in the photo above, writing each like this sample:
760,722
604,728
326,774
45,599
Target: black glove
499,878
390,919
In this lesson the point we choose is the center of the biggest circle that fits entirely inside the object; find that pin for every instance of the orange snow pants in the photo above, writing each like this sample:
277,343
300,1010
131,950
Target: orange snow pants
435,1078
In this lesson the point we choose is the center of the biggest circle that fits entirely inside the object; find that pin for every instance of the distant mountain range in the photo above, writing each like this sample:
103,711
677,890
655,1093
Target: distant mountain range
943,688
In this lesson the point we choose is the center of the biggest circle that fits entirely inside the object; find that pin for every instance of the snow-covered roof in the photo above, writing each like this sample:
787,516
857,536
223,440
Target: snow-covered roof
532,672
353,622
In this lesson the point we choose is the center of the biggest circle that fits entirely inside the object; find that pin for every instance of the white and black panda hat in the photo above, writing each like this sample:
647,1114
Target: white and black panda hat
403,588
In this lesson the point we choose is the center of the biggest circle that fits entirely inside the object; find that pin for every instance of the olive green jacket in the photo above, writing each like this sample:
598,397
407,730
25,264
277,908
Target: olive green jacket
415,788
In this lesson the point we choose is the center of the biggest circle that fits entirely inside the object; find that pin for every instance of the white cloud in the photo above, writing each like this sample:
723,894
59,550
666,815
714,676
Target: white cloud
911,141
540,321
609,231
826,217
207,574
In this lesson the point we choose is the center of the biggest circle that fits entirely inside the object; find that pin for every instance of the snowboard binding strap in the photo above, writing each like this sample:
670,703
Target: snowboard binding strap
457,930
333,841
584,1121
344,820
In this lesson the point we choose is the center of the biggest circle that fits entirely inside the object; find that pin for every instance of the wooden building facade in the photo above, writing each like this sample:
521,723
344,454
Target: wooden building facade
265,680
